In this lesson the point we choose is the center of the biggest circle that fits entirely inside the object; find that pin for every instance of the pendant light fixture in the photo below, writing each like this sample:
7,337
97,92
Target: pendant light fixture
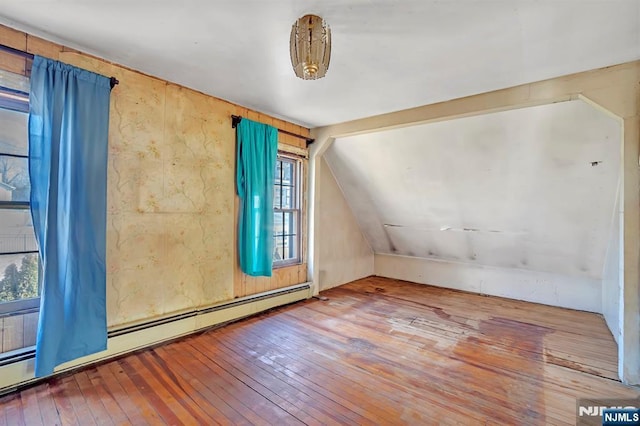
310,46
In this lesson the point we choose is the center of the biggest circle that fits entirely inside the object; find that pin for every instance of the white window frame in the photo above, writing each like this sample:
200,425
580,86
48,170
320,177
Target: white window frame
296,210
15,100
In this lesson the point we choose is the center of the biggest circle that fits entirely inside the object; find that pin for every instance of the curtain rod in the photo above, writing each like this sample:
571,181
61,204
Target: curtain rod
235,119
112,80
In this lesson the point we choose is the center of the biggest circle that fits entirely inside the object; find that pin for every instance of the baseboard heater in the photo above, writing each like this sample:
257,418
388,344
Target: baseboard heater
195,312
15,370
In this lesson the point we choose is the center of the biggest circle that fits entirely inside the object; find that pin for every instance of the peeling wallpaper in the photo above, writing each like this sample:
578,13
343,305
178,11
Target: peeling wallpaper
170,232
171,197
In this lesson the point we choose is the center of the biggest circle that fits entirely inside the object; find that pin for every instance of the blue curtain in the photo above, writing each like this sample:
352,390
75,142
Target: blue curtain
68,127
257,146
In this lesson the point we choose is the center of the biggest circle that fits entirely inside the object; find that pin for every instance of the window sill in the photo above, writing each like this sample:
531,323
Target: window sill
281,265
19,307
16,355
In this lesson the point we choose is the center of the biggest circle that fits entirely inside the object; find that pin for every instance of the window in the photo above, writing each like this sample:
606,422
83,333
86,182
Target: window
19,260
286,210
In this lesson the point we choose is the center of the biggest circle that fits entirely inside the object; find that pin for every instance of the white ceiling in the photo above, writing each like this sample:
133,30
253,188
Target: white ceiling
512,189
387,55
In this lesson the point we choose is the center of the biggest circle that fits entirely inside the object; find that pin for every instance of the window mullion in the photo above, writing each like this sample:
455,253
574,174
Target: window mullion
10,253
14,205
6,154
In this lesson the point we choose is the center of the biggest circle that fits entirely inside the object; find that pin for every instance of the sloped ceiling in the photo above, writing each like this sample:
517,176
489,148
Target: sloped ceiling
531,188
387,55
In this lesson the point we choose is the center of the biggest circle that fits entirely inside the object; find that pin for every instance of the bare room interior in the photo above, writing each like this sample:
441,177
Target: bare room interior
319,212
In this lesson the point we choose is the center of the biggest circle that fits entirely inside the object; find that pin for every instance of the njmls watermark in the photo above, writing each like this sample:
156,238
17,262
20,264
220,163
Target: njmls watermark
604,412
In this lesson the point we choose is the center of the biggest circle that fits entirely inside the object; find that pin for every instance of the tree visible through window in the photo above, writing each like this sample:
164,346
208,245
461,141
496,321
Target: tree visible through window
20,282
286,221
19,260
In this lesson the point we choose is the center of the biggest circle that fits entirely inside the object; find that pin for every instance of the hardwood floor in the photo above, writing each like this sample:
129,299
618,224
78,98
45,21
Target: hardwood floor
378,351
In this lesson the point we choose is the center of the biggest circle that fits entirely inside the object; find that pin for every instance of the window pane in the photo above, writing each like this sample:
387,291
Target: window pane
290,236
288,223
277,249
13,132
14,179
287,197
19,303
19,277
13,81
278,223
278,230
287,173
276,197
278,175
16,231
291,247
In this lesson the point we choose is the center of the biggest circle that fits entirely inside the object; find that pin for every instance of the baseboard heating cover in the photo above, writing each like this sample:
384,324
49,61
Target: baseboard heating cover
17,371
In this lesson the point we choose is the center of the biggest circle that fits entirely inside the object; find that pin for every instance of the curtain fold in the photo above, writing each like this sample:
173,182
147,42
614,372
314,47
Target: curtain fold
257,146
68,131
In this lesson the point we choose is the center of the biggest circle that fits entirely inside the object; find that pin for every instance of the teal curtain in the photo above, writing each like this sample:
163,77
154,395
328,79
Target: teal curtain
68,128
257,146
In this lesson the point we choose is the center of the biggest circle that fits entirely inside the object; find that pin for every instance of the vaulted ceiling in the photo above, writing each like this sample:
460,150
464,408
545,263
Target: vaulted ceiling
531,188
388,55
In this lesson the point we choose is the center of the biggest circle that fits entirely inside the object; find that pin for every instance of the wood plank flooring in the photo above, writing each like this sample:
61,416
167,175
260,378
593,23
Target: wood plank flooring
378,351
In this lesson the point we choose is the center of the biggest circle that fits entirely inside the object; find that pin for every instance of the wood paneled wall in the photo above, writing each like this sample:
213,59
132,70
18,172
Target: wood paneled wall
143,98
244,284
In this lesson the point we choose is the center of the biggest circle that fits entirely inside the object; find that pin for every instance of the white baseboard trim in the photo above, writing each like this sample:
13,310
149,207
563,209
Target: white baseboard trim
584,294
21,372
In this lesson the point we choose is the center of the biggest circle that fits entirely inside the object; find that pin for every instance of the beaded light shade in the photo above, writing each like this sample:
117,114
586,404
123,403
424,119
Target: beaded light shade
310,47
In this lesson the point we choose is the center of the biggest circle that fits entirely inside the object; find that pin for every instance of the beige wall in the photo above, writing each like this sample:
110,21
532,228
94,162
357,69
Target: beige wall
171,191
344,253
